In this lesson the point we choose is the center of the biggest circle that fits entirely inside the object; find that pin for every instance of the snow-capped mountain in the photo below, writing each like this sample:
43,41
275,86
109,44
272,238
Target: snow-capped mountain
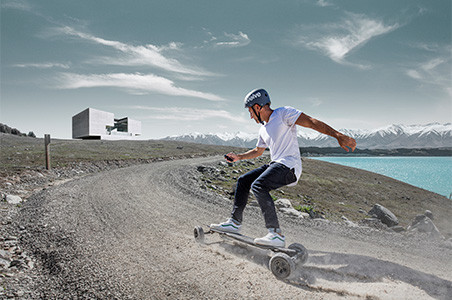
432,135
238,139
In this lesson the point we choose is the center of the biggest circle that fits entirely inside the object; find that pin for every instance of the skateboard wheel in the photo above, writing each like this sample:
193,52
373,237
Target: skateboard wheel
282,265
302,254
199,234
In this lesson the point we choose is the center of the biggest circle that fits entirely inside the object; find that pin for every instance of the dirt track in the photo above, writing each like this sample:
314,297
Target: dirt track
128,234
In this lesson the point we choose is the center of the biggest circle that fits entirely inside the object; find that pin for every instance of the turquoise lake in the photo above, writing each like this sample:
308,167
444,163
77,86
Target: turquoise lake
430,173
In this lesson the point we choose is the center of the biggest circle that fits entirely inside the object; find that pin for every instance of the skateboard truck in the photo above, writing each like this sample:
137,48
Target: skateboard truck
282,264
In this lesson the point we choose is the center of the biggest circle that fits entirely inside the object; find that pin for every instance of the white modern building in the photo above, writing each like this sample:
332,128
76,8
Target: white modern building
95,124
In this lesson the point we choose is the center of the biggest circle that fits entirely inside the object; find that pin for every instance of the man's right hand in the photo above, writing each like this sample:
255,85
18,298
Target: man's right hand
231,157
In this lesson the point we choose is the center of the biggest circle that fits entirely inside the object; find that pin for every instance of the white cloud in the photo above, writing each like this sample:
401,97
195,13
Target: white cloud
414,74
434,71
228,40
17,4
432,64
323,3
188,114
132,56
42,65
234,40
425,46
338,40
171,46
315,102
133,83
147,55
449,91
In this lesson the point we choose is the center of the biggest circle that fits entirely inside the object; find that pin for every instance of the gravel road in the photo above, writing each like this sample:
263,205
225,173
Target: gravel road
128,234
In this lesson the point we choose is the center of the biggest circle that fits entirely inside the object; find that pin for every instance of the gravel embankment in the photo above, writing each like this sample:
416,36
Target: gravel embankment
128,234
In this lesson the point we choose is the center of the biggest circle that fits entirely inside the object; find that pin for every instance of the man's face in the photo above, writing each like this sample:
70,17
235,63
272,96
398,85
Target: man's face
252,114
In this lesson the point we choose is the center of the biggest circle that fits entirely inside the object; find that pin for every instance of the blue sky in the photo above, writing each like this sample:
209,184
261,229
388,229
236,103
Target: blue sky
185,66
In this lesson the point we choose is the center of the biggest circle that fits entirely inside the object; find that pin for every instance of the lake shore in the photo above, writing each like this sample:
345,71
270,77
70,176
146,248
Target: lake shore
432,173
338,151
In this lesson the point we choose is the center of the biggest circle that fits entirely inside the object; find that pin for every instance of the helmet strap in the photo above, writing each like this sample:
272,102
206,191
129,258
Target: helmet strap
257,115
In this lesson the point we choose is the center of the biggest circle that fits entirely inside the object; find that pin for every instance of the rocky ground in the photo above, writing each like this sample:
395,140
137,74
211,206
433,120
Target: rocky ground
344,195
17,266
23,174
31,235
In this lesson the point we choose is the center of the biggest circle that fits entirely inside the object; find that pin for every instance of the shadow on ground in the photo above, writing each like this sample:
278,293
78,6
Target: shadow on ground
348,269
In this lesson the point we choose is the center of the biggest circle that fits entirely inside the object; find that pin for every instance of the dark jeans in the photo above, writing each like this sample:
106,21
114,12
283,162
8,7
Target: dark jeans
261,181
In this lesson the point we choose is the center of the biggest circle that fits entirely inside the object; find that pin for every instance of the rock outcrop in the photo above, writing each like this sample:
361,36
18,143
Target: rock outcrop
384,215
424,224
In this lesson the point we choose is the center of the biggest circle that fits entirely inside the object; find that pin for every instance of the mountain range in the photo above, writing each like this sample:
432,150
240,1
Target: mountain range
433,135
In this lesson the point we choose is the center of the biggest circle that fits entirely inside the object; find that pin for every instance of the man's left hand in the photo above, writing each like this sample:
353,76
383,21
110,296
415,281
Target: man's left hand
346,142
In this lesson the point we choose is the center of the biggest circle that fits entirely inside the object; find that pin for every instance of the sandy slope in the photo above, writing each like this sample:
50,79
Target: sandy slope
128,234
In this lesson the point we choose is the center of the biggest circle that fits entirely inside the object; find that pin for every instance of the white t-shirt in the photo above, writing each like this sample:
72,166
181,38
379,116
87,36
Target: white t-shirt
280,135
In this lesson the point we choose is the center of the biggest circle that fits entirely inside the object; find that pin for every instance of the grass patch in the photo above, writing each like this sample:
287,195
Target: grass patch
305,208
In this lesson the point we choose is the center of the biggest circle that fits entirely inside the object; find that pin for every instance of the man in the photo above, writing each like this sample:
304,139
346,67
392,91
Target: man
278,133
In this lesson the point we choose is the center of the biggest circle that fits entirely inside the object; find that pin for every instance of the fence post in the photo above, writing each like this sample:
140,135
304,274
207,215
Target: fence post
47,142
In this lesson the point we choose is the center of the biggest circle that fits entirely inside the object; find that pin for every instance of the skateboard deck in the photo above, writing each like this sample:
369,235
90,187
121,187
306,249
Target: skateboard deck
284,261
250,241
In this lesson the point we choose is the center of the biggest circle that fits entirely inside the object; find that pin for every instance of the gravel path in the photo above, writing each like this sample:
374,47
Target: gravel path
128,234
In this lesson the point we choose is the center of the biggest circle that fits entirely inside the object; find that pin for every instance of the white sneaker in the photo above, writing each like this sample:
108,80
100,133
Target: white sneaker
273,238
229,226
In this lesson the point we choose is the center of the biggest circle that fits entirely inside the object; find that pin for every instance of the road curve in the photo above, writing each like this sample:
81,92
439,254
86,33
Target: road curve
128,234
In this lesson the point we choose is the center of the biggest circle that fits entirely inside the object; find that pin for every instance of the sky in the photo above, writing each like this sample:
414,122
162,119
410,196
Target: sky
185,66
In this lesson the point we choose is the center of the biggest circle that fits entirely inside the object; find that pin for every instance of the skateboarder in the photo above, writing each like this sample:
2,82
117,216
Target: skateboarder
278,133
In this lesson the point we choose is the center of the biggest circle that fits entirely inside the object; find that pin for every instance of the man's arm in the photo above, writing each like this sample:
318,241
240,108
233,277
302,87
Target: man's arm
343,140
253,153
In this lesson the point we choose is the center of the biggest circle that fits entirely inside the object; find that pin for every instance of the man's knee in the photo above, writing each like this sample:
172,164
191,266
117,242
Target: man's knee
242,182
241,179
257,187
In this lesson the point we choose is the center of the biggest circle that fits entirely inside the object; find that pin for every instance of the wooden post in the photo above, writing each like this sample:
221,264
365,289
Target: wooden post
47,142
